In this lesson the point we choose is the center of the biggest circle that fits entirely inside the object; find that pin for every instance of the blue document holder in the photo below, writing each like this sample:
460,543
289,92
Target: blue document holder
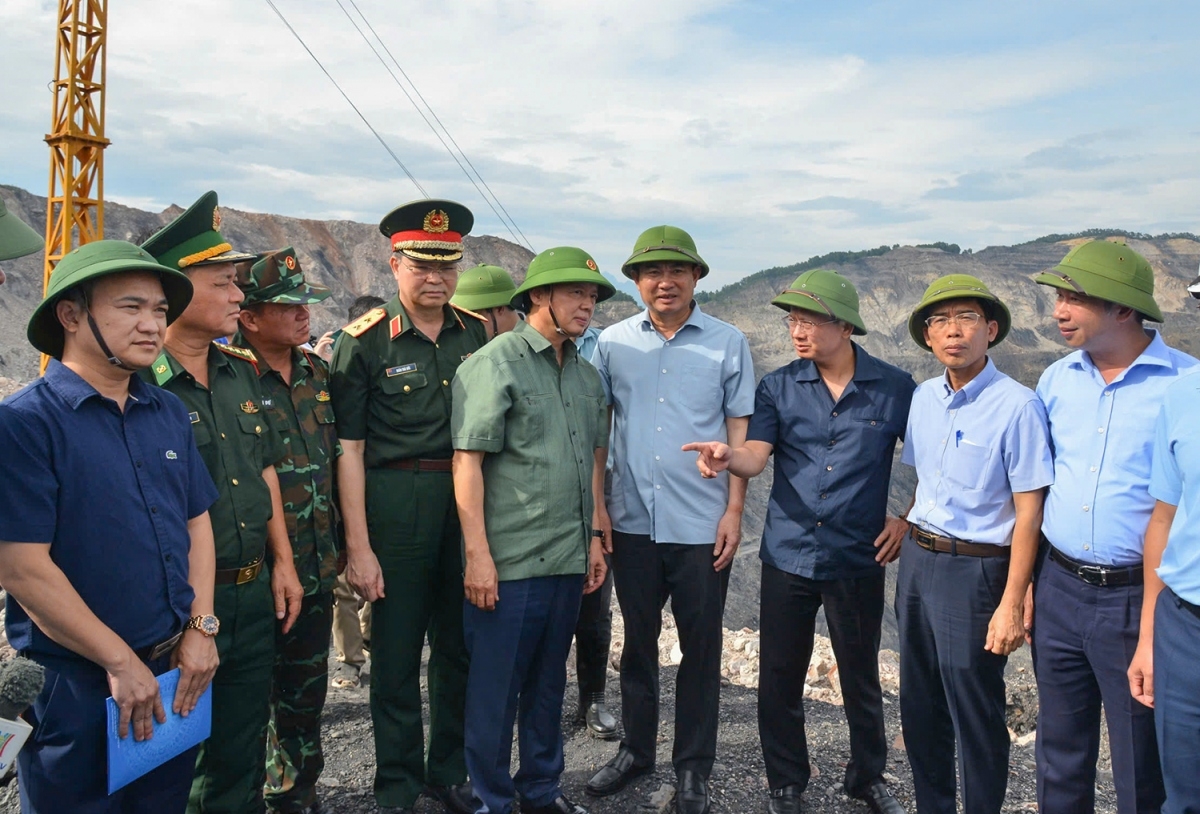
128,759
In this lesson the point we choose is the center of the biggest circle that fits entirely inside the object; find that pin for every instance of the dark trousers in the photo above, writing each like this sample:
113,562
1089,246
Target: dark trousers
294,756
231,766
519,672
64,764
593,639
854,611
646,574
951,689
1084,637
413,524
1177,701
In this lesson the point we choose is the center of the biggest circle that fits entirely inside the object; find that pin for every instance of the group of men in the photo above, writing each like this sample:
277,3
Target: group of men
489,468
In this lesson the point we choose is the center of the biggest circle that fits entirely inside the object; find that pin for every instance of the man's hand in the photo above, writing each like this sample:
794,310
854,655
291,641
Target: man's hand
135,689
1006,631
889,540
1029,615
597,567
1141,673
729,537
285,586
197,660
602,523
481,583
324,346
713,458
364,574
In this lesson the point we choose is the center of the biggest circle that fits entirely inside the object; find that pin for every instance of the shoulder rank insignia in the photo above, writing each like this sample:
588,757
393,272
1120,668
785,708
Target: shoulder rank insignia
468,312
162,370
249,407
359,326
239,353
322,396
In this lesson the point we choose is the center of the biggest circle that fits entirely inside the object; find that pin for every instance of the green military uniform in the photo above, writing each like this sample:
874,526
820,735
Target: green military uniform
237,440
302,412
391,389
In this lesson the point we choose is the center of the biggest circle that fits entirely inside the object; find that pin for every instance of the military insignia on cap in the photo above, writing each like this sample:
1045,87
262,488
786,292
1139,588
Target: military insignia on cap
216,219
437,222
591,264
322,396
161,369
290,262
249,407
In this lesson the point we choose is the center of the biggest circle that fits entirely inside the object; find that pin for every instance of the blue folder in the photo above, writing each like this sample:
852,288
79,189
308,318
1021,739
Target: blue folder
129,759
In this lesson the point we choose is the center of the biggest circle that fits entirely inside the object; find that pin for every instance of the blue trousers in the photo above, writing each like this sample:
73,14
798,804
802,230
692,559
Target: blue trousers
519,672
1177,701
951,689
64,764
1084,637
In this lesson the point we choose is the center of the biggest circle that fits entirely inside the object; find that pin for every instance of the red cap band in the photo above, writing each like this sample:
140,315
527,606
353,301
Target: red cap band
421,234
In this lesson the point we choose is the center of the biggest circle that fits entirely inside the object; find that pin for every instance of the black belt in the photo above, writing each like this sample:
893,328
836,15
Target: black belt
239,576
419,464
1194,610
152,652
955,546
1102,576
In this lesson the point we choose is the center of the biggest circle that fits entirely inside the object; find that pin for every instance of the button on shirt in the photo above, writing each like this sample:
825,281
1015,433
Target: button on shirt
112,493
832,464
972,449
1103,436
540,425
666,393
1175,479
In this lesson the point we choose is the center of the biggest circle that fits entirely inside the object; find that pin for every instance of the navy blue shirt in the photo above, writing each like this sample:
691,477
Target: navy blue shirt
832,464
111,492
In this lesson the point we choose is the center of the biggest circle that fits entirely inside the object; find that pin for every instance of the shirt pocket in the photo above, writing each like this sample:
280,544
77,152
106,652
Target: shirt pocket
327,429
700,388
873,436
590,413
404,385
966,464
173,471
254,426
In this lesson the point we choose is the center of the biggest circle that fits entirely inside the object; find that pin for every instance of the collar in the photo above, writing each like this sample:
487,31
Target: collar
1156,354
973,388
399,323
166,367
74,390
696,319
299,357
866,368
539,343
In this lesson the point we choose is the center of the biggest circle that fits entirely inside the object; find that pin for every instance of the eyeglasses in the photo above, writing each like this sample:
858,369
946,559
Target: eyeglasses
804,325
966,319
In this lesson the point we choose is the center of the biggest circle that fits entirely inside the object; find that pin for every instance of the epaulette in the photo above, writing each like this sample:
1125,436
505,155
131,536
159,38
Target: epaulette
359,326
162,369
468,312
239,353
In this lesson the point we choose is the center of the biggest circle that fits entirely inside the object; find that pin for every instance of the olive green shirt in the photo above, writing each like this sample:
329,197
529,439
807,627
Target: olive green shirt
302,412
237,441
391,384
540,425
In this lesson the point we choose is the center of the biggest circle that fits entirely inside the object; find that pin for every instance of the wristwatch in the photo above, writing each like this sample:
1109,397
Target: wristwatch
208,625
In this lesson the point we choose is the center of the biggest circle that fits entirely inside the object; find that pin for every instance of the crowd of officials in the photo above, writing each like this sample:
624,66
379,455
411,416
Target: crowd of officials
477,467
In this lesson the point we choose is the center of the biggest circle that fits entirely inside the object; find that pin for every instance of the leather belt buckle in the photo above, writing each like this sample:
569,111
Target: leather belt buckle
249,573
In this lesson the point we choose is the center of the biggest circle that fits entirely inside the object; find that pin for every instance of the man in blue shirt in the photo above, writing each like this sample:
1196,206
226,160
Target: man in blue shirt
672,374
107,551
1163,672
832,419
1102,401
980,446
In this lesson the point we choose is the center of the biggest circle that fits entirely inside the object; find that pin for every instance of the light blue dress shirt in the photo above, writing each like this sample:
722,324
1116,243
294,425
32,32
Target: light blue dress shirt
972,449
586,343
1103,439
665,393
1175,479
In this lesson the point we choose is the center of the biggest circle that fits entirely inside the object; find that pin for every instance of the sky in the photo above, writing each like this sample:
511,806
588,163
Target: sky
771,131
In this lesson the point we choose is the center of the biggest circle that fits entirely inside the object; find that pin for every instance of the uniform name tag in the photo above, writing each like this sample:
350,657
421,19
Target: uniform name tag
195,417
398,369
268,402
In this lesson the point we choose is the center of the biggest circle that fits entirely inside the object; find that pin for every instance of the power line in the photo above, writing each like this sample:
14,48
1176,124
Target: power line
374,132
429,107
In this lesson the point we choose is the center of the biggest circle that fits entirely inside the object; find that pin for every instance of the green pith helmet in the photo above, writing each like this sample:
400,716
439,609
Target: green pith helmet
17,239
1107,271
193,239
823,292
483,287
98,259
563,264
664,244
958,287
428,229
278,278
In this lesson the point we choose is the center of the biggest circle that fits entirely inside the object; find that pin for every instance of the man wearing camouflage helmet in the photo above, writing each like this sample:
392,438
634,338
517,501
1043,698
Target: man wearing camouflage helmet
16,238
1102,401
107,549
295,383
256,582
390,378
832,419
488,291
530,437
672,374
978,441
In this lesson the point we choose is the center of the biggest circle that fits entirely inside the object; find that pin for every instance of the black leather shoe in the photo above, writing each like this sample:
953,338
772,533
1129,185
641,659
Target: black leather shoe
458,799
692,795
594,713
616,774
879,799
785,800
561,805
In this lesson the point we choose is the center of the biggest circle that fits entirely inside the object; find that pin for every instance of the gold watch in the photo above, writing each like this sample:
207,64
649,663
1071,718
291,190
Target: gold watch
207,624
